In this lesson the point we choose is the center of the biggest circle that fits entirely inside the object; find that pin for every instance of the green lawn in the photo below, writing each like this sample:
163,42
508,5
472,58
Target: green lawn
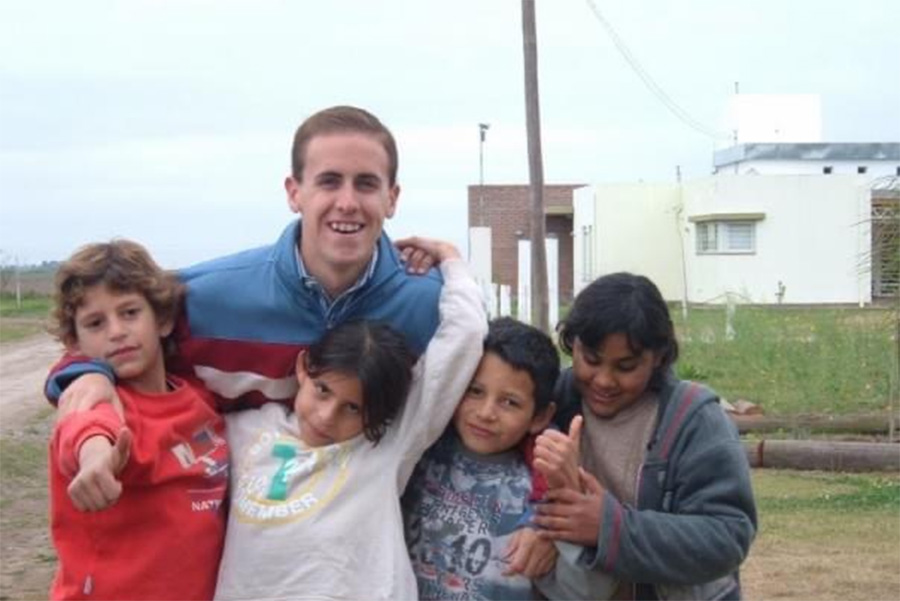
790,360
32,305
20,320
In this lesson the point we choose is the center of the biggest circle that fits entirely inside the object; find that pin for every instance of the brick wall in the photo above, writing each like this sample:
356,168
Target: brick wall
506,210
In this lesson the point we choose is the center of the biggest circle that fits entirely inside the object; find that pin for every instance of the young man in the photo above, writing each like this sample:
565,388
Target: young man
248,315
468,501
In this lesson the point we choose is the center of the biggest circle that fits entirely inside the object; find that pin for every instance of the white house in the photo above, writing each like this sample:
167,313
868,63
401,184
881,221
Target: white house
777,238
798,238
629,227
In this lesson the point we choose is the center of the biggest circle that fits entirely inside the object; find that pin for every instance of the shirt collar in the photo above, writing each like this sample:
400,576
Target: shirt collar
309,281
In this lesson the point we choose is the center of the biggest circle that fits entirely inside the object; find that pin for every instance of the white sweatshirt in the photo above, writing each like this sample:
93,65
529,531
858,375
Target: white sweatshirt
325,522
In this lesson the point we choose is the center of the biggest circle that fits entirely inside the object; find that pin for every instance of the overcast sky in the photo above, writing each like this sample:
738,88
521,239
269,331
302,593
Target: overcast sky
170,121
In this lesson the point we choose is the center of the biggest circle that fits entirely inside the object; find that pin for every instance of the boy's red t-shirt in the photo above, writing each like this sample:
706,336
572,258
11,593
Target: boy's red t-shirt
163,538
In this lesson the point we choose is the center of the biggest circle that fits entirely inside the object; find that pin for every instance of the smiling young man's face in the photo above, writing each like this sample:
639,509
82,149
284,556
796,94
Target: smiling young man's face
344,197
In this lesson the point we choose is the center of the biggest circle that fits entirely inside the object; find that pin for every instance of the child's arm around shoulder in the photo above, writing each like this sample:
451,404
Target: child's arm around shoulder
443,372
92,448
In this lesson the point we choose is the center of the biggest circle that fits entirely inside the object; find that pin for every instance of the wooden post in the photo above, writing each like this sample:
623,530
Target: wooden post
823,455
866,423
539,306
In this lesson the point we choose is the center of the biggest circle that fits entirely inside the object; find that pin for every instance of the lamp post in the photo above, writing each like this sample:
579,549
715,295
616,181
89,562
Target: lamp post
482,131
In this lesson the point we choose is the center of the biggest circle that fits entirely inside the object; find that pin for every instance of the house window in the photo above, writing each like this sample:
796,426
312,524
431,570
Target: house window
726,237
706,237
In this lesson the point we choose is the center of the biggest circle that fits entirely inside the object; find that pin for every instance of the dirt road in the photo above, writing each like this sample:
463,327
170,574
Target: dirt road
27,558
23,367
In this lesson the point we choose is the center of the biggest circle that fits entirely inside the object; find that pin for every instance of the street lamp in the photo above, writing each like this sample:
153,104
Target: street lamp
482,131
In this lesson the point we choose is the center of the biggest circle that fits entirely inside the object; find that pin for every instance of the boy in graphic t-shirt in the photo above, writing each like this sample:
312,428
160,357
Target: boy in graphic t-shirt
467,508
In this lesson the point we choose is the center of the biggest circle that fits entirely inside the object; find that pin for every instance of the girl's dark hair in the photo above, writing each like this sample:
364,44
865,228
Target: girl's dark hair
527,348
379,357
622,303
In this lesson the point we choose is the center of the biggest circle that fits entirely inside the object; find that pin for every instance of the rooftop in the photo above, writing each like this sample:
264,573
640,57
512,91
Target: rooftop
808,151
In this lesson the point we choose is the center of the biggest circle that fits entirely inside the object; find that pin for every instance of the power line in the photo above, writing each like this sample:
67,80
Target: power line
654,88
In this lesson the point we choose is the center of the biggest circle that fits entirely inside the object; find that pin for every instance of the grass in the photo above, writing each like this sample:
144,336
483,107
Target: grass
825,536
32,305
10,332
18,321
21,458
27,557
791,361
786,492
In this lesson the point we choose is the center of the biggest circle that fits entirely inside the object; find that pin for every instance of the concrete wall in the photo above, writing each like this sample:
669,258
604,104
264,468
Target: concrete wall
812,239
637,230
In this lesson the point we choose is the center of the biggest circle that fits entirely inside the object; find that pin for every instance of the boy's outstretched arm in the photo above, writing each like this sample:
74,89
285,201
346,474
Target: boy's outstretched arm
91,448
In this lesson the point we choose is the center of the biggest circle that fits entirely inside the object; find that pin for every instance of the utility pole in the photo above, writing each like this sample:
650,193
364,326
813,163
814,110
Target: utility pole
539,307
482,132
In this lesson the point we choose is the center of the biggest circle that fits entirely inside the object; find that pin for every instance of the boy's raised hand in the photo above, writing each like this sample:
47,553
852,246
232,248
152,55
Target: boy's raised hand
421,254
529,554
96,486
556,455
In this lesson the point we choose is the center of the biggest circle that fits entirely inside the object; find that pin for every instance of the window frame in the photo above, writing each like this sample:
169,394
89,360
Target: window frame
720,234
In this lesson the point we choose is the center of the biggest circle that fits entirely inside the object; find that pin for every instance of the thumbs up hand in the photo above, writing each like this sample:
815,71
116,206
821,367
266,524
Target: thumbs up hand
96,485
557,456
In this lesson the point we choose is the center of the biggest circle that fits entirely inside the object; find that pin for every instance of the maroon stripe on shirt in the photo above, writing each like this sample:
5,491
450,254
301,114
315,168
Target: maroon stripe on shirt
613,552
676,422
